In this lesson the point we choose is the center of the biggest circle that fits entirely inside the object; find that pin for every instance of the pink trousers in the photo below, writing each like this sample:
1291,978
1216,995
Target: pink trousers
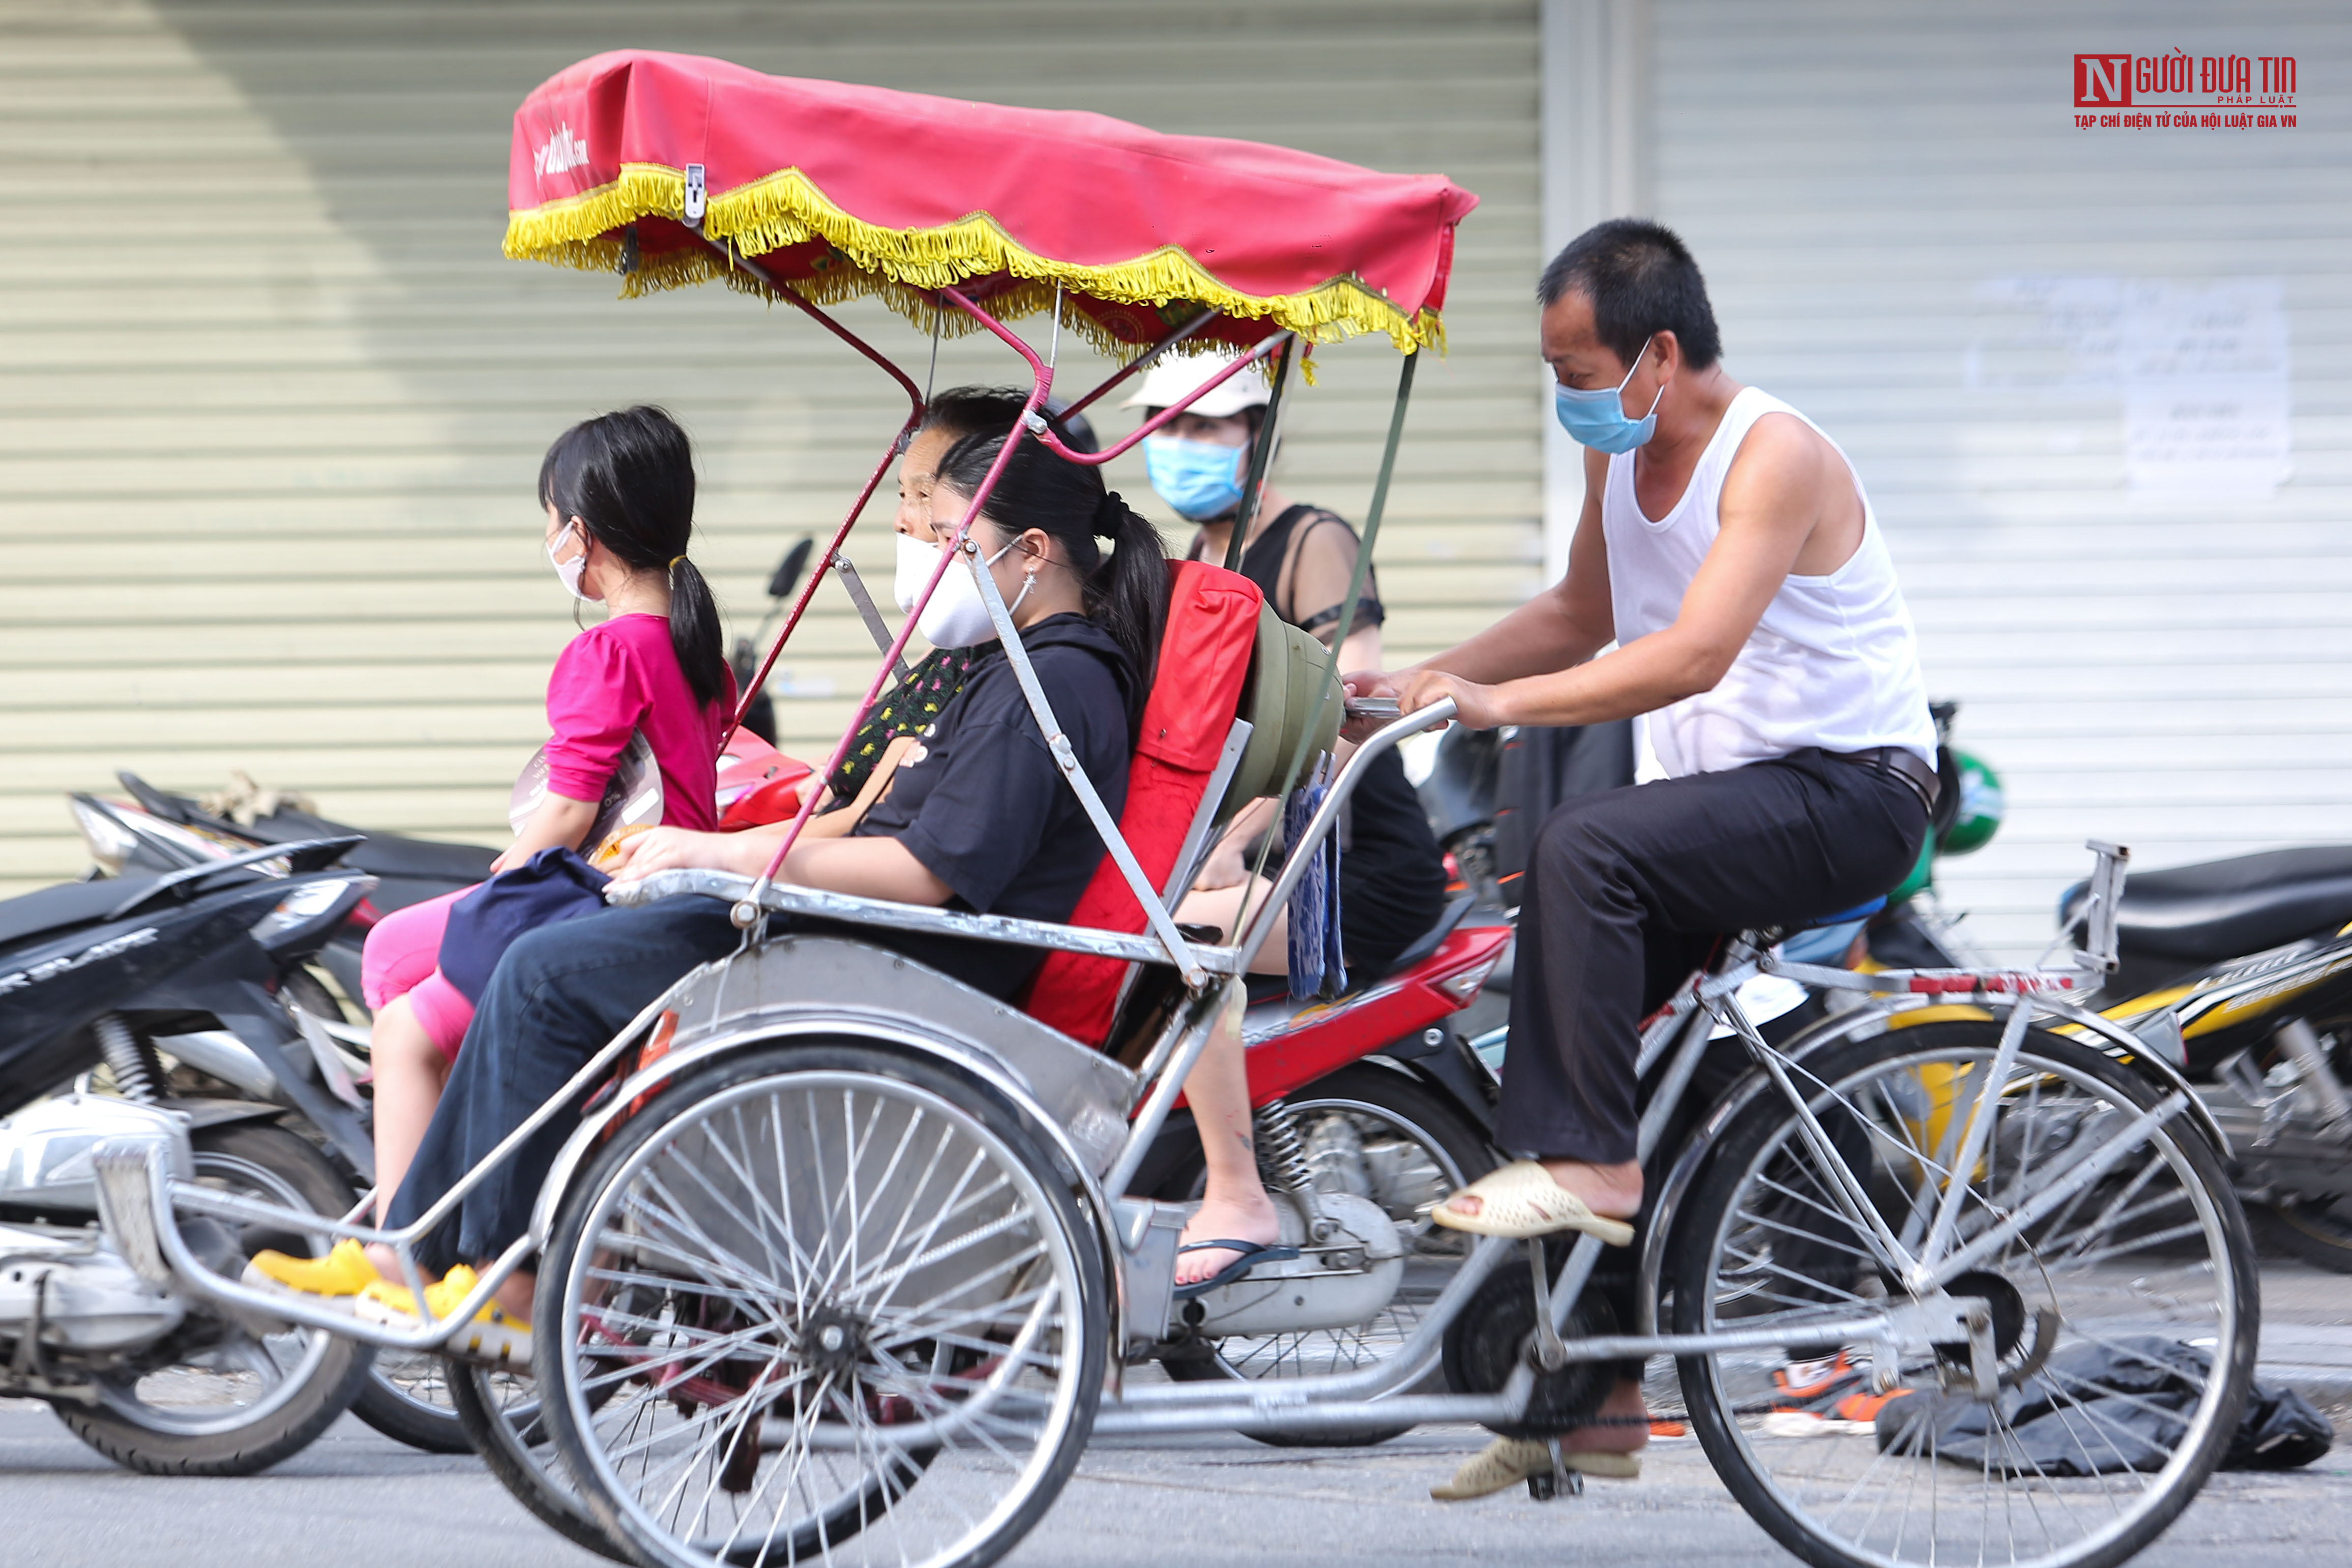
403,958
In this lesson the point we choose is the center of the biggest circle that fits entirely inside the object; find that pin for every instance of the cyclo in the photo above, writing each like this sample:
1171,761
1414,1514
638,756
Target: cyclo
840,1262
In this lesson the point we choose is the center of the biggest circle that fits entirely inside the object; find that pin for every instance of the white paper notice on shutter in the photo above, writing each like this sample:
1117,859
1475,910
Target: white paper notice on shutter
2201,368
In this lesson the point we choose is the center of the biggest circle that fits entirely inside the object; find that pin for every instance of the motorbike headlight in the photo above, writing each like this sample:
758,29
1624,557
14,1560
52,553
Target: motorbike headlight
110,842
305,905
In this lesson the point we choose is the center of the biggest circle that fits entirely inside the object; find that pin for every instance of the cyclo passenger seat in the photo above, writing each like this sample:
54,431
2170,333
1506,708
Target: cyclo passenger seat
1223,655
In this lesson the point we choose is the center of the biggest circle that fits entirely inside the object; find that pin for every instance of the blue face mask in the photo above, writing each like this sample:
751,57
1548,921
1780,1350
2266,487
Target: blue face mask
1597,419
1200,480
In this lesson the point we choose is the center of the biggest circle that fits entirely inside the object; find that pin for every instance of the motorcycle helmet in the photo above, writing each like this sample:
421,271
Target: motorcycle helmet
1980,807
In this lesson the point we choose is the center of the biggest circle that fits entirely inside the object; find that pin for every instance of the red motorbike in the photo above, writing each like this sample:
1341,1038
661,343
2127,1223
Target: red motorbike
1376,1096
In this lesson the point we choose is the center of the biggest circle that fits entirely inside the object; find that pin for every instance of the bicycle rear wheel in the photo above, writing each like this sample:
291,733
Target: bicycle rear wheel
2124,1311
500,1417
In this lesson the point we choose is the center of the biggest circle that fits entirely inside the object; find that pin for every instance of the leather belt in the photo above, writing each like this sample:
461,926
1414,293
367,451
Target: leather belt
1905,764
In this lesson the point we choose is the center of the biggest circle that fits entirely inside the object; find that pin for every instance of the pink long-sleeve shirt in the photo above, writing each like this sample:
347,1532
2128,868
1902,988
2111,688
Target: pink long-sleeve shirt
621,676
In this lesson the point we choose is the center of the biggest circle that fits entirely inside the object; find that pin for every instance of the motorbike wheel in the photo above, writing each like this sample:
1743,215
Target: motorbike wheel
2317,1231
241,1403
1382,1136
499,1412
2132,1267
409,1399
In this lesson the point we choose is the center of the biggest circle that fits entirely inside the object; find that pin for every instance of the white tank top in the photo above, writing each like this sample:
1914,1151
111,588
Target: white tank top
1833,662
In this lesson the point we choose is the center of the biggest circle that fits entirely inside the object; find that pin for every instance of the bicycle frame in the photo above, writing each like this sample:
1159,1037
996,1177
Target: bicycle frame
1673,1043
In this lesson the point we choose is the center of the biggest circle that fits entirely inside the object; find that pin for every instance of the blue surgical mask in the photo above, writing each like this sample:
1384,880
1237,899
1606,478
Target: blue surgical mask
1597,419
1201,480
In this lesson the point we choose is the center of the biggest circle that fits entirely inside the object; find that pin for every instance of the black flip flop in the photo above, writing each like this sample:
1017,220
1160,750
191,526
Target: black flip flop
1252,1253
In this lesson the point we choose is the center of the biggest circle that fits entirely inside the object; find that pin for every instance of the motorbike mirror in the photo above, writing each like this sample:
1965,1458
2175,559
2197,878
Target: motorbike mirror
789,569
171,808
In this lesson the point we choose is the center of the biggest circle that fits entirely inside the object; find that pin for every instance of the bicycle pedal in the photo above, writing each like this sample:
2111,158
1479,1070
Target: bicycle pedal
1544,1486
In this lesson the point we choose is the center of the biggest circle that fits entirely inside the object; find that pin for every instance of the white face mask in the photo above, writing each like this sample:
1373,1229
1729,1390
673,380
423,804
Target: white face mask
569,570
957,616
916,560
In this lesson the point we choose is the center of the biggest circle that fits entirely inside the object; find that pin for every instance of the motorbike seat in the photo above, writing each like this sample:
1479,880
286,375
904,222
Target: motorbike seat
61,908
2224,909
1863,911
1422,945
383,855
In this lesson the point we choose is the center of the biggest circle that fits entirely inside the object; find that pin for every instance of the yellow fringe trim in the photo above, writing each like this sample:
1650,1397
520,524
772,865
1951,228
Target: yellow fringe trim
901,265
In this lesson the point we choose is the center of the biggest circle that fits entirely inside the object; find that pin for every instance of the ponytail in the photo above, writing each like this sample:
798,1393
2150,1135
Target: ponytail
694,634
629,478
1126,594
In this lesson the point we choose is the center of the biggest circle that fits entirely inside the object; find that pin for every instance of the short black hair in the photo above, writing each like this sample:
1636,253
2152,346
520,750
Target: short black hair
993,411
1642,280
975,410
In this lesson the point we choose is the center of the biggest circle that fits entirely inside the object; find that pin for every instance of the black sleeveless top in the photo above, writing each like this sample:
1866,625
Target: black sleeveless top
1391,872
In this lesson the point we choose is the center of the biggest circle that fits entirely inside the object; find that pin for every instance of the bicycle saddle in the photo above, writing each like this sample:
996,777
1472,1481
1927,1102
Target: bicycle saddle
2225,909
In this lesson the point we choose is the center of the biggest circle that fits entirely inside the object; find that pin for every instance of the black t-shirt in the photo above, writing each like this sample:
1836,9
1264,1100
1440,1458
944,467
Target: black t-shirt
987,811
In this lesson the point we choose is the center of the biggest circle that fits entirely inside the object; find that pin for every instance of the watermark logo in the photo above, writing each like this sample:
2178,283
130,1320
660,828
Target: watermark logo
564,151
2103,81
2181,91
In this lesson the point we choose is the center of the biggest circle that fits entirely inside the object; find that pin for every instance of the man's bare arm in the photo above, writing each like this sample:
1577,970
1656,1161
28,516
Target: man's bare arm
1556,630
1768,515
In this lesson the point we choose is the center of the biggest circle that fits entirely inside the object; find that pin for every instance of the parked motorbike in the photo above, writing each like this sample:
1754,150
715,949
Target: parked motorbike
99,980
2251,957
406,1395
155,831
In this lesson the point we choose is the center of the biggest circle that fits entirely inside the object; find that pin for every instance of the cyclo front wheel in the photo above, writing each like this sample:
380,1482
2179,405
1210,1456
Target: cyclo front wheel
2124,1312
822,1302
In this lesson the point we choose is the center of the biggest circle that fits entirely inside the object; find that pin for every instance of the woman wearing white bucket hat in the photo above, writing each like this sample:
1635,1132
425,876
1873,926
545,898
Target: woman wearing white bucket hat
1391,872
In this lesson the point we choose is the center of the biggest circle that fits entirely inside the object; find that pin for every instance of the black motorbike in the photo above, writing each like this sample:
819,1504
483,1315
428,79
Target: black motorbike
109,992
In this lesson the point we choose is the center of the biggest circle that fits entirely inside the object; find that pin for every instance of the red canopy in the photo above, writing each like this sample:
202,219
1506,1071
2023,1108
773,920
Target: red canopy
844,189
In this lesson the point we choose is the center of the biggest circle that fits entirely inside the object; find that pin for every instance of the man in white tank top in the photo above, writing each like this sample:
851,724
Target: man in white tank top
1727,550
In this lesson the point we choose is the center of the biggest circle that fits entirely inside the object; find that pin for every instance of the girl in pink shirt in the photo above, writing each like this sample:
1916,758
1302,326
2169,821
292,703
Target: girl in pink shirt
618,490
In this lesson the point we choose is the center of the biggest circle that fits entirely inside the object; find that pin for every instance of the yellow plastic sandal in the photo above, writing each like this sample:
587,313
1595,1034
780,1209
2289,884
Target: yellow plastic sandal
492,1335
344,1272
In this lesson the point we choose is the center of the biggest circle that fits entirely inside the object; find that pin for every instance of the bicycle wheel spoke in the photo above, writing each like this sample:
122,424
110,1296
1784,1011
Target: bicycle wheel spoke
831,1318
2099,1234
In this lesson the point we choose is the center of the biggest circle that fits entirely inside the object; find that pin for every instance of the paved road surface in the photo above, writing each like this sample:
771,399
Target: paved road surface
1224,1503
358,1498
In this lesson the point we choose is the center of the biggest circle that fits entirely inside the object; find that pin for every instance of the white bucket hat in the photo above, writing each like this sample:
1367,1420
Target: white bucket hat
1171,380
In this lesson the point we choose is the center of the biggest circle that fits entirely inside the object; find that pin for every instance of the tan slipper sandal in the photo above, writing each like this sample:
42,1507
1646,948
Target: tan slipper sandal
1522,1200
1506,1461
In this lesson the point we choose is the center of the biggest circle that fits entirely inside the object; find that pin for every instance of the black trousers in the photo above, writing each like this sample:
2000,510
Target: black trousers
1626,892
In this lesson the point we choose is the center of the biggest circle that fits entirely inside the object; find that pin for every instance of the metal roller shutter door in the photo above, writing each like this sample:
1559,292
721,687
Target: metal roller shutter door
1871,189
272,404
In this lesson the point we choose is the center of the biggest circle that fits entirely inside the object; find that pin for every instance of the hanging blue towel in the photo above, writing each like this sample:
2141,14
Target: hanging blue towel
1335,966
1310,900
